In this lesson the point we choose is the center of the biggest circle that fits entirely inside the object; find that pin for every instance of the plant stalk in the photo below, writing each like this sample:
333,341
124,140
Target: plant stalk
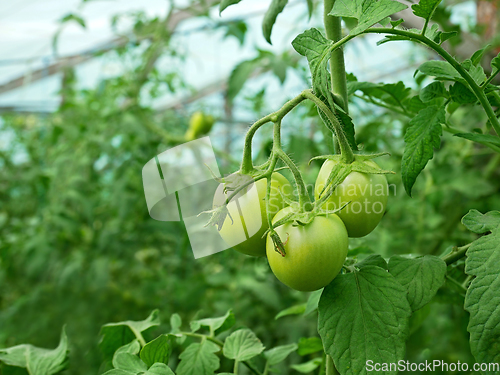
330,366
333,28
246,164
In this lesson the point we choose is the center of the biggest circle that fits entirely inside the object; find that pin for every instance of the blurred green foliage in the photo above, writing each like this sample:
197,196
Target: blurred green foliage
77,245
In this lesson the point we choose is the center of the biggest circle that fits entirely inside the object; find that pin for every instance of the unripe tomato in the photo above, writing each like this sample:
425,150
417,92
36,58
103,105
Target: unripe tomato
367,193
314,253
199,124
246,223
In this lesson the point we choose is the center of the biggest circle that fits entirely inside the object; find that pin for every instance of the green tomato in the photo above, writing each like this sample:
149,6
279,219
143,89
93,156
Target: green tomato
243,229
367,194
314,253
199,124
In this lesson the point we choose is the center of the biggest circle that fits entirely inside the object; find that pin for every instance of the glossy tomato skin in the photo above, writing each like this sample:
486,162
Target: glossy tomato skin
252,215
367,194
314,253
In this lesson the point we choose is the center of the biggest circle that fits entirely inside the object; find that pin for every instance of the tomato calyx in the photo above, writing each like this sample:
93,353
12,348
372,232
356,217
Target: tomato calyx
218,216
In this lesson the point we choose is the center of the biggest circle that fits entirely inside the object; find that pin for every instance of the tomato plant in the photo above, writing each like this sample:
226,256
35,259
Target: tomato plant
314,253
422,287
363,195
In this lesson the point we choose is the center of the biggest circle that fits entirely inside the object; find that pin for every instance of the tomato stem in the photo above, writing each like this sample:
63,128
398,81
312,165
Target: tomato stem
456,254
304,199
345,149
246,164
333,28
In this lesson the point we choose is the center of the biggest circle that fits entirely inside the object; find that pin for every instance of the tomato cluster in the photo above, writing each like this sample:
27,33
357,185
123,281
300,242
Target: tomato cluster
311,254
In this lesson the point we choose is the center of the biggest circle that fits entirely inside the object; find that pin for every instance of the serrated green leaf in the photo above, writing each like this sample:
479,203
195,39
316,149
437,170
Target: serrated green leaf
351,9
434,90
114,335
481,300
367,12
315,47
312,301
133,348
480,138
309,345
461,94
445,35
477,73
495,62
422,137
421,276
158,350
375,11
272,13
279,354
38,361
425,8
293,310
216,325
396,23
308,367
128,362
476,222
242,345
391,93
440,69
159,369
199,359
478,55
364,316
372,260
226,3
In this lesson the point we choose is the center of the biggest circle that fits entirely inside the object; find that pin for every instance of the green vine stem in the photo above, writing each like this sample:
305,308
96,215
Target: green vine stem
345,149
304,199
457,254
333,28
246,164
478,91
